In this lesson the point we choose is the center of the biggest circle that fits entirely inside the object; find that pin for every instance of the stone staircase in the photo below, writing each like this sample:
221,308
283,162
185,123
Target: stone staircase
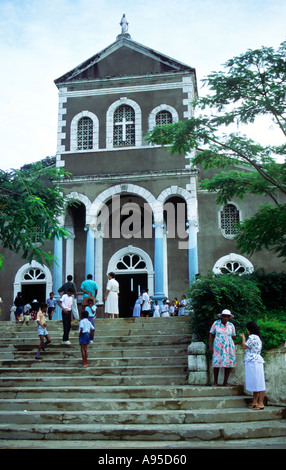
134,393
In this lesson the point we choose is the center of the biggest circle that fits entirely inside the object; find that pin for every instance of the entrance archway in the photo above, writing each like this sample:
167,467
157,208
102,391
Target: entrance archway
134,271
34,280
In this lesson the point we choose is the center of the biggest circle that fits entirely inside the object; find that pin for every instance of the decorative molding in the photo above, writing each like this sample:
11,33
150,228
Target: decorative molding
74,131
109,121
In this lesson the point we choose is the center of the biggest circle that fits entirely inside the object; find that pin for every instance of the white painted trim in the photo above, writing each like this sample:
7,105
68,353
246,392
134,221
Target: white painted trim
109,121
155,111
19,277
122,90
232,257
74,131
134,250
230,237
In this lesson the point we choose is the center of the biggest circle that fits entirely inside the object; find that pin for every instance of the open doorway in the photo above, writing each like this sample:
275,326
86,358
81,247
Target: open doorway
129,290
31,292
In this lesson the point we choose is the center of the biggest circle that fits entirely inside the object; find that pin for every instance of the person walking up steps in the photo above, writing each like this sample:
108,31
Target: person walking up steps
85,330
42,330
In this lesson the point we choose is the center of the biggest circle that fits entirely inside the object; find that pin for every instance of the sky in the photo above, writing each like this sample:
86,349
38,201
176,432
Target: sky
40,40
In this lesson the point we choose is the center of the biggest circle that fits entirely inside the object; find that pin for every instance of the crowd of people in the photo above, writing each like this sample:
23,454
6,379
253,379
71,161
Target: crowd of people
146,307
221,335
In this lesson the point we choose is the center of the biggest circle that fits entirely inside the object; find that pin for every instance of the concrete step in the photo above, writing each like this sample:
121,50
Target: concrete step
73,352
145,432
136,417
88,380
137,449
93,361
134,392
77,371
119,404
138,340
142,392
121,327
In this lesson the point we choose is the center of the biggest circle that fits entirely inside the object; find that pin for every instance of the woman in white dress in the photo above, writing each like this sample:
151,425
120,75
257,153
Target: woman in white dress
111,297
254,366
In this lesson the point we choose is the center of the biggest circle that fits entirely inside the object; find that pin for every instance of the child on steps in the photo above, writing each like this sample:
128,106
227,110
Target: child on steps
85,330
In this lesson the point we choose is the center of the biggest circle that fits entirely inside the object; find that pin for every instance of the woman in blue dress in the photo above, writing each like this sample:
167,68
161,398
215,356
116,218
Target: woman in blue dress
137,307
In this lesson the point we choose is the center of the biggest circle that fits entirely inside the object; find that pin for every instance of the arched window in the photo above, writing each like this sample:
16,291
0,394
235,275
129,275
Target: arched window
229,217
162,115
131,262
233,264
124,126
85,134
163,118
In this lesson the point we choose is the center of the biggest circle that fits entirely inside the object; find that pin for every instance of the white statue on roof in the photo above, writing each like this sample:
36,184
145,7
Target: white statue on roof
124,25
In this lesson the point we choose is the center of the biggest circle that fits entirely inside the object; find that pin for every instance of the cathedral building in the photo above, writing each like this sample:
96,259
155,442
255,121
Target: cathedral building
139,212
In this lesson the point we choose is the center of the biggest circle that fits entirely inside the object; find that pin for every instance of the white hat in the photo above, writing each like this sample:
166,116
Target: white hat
226,312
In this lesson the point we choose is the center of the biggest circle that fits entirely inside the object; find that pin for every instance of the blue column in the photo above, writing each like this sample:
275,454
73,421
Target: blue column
58,274
90,253
158,264
193,251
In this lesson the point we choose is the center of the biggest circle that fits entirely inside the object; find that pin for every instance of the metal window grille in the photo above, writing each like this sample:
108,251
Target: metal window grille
232,267
34,274
229,219
85,134
124,126
131,262
163,118
37,234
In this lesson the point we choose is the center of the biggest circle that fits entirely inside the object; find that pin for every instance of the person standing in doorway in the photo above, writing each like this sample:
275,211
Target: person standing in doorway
19,303
111,297
51,302
145,306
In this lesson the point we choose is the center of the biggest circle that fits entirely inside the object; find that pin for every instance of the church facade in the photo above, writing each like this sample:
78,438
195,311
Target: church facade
138,211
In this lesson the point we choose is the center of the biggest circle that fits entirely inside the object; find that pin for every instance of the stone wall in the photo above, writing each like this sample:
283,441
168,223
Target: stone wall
200,371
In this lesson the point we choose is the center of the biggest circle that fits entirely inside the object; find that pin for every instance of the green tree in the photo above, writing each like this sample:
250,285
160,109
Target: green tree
212,294
250,86
31,202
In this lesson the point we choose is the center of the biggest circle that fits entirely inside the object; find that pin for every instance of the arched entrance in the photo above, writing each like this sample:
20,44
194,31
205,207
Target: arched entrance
34,280
134,271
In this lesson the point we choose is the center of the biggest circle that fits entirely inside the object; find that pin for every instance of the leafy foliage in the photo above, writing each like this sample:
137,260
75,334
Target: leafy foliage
259,297
272,331
211,294
31,203
252,85
273,289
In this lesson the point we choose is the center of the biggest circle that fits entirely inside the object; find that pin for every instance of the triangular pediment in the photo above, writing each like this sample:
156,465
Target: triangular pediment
122,58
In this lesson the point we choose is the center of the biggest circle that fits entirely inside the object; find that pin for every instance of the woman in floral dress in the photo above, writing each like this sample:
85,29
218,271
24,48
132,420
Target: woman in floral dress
222,347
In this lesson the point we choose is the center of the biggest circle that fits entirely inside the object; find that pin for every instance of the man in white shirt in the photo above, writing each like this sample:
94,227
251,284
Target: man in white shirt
145,306
66,305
